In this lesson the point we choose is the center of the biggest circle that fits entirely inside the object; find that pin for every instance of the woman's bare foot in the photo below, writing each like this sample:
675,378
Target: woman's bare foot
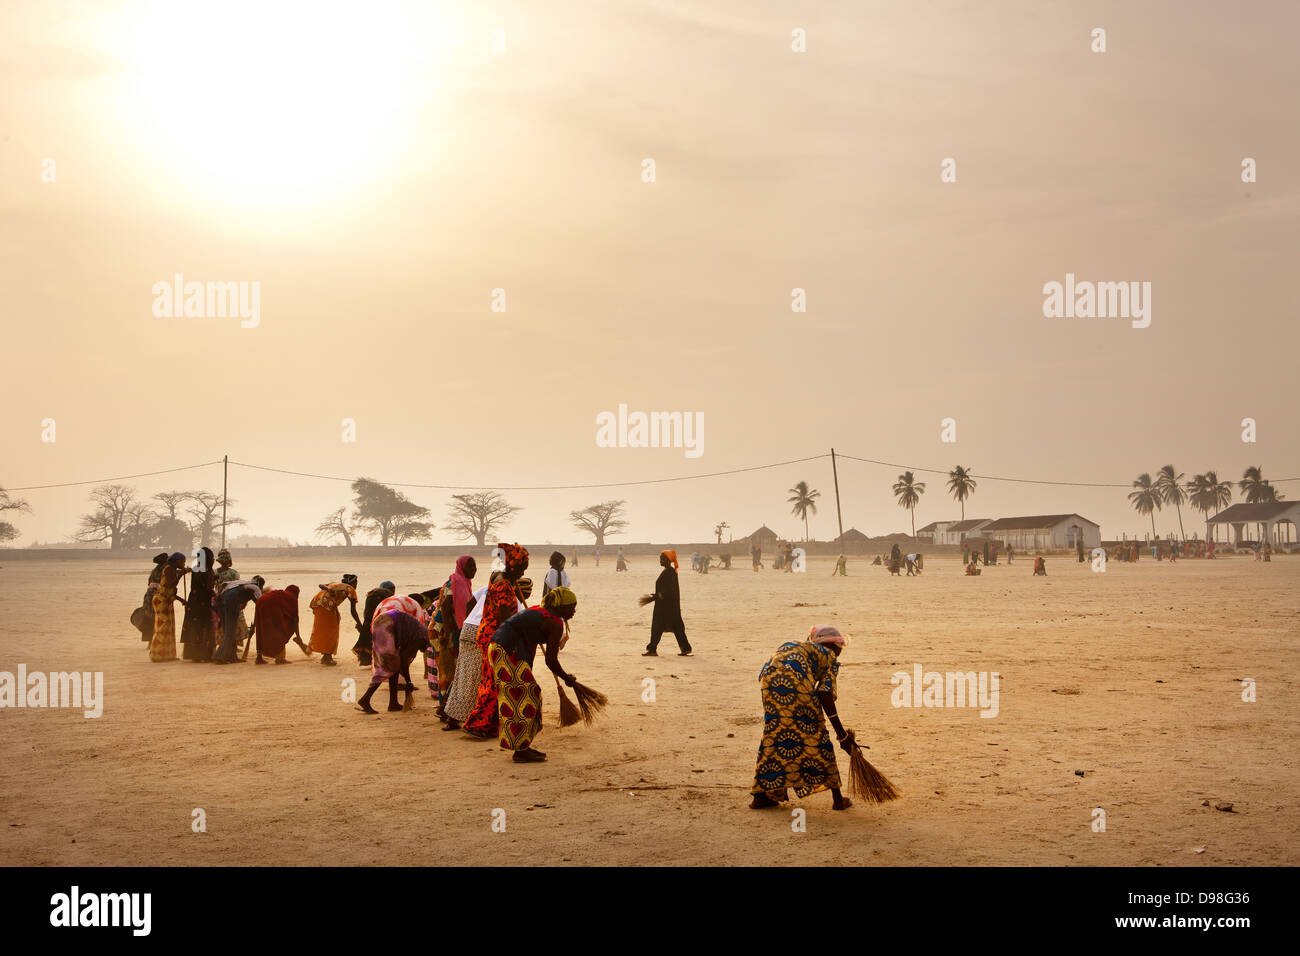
452,724
762,801
528,755
365,708
841,803
305,649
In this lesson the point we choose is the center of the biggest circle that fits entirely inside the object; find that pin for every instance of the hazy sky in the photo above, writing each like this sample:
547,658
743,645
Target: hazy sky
379,169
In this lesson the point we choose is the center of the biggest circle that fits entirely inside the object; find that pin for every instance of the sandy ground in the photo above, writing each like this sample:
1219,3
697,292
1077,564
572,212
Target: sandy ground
1132,676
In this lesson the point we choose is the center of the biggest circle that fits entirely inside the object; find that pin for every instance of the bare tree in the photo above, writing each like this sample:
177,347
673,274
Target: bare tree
205,515
7,531
600,520
720,527
117,516
172,500
334,524
477,515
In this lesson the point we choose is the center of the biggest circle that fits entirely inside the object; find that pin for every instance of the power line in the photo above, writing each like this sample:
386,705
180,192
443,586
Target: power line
605,484
100,481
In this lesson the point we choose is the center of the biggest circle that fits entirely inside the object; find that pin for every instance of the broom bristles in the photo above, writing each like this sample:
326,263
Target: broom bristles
866,781
645,599
591,702
569,713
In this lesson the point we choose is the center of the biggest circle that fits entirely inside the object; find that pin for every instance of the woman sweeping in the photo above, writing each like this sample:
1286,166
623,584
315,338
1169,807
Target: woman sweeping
798,688
325,617
163,646
500,604
142,617
275,620
668,608
397,637
511,654
199,630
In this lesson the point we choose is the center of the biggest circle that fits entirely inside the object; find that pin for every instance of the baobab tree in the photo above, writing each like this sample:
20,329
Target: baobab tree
478,514
600,520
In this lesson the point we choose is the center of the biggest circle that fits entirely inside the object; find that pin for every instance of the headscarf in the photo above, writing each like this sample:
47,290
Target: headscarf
461,589
827,634
223,553
671,556
350,579
557,560
160,558
515,556
176,558
559,597
388,585
259,581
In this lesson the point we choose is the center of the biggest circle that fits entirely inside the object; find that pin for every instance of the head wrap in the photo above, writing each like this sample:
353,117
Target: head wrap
389,585
259,581
160,558
223,553
671,556
515,557
559,597
557,559
461,590
176,558
350,579
292,589
826,634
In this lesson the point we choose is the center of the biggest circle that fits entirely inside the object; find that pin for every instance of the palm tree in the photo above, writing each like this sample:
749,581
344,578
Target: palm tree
804,501
962,486
1146,499
1255,487
1207,493
908,491
1169,485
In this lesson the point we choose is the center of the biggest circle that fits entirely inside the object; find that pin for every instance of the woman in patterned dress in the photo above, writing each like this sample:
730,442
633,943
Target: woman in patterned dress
501,604
511,654
798,689
325,617
163,646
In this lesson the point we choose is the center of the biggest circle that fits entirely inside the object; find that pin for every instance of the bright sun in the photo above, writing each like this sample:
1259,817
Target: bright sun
275,100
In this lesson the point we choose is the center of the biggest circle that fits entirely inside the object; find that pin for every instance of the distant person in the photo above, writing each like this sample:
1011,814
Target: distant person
1040,567
667,600
620,566
842,565
895,558
1078,544
1011,553
556,577
972,569
756,553
913,563
325,617
225,575
726,562
142,617
163,645
275,620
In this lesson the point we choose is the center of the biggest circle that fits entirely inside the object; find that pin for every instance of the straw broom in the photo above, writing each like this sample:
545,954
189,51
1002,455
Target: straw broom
865,781
645,599
591,702
569,713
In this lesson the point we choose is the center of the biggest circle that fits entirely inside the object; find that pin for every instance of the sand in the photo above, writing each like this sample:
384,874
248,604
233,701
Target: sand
1132,676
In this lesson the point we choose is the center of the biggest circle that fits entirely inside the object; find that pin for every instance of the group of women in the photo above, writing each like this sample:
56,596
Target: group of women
480,648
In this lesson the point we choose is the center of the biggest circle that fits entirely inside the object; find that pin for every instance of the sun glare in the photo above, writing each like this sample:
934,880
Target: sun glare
280,101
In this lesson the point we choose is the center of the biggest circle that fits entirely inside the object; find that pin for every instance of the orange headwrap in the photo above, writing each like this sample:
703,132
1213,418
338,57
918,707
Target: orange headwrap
672,556
516,556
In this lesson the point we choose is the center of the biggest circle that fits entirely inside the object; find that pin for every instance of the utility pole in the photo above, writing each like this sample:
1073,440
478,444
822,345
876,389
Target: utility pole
225,488
838,519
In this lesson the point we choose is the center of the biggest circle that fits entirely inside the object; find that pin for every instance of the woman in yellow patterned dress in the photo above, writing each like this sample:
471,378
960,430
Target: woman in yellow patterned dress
163,646
325,617
798,688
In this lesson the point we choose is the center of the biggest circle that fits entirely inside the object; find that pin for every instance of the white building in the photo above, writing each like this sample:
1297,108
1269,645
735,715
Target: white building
956,531
1044,532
